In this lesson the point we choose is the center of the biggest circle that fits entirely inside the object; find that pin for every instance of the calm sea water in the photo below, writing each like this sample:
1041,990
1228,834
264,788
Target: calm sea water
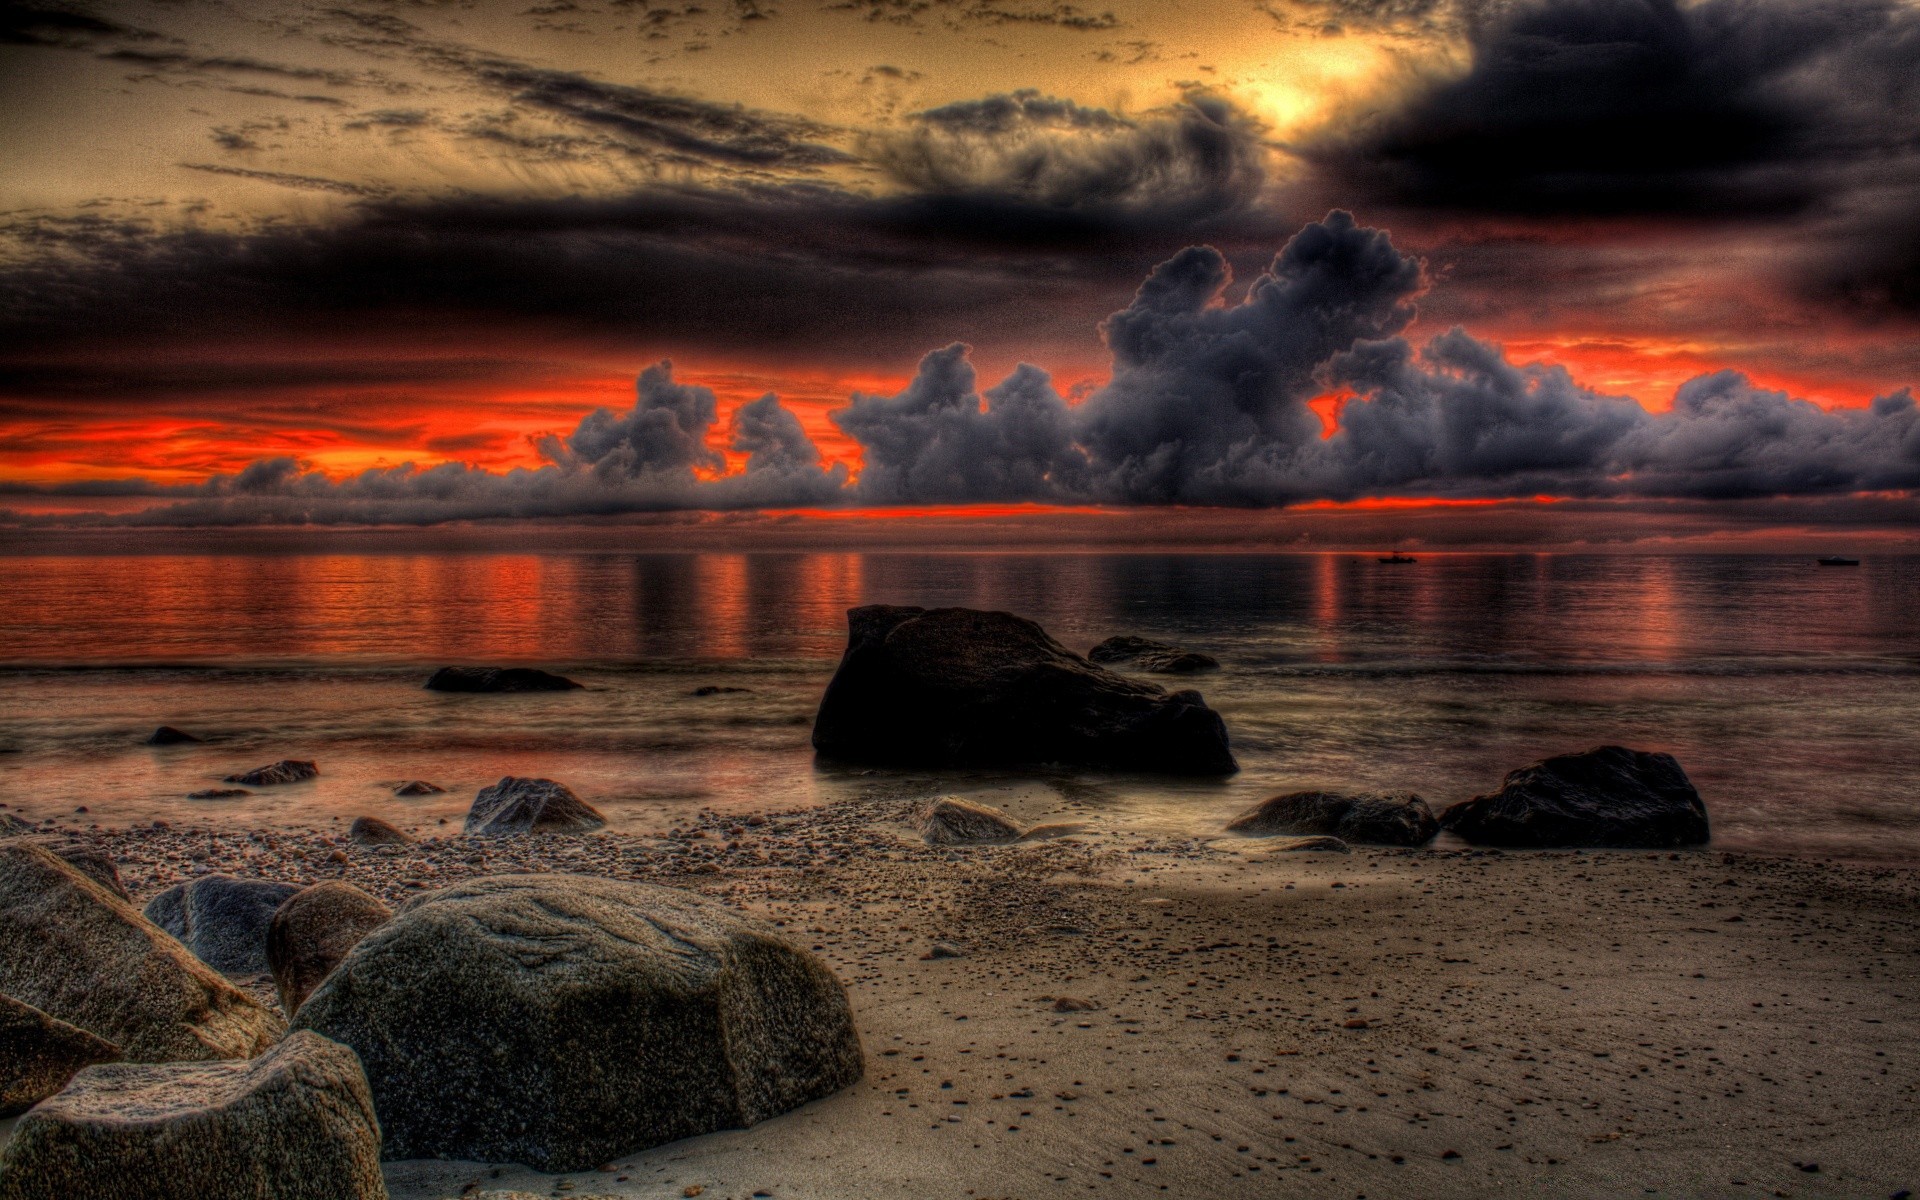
1788,691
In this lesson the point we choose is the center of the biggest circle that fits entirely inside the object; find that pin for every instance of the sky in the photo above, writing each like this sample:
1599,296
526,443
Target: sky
1462,270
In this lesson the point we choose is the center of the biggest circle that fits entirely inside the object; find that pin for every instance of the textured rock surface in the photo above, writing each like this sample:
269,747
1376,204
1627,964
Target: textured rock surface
954,686
94,863
167,735
313,931
221,919
372,831
531,806
1611,796
497,679
76,951
561,1021
951,821
418,787
39,1053
1311,845
296,1123
11,825
1399,819
1145,654
287,770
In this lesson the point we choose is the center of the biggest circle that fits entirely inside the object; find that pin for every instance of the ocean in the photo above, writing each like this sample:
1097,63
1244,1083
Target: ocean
1786,690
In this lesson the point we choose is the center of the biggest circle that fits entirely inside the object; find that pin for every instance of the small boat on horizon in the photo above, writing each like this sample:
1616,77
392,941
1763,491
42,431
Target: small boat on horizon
1826,560
1396,558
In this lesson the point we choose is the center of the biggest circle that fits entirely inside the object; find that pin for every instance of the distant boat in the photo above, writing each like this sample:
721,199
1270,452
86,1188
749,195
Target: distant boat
1397,558
1829,560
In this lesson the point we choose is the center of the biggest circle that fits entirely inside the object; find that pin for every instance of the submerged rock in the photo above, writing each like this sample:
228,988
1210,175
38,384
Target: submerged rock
221,919
372,831
716,689
1145,654
955,686
167,735
951,821
1610,796
39,1053
418,787
517,805
74,950
296,1123
1398,819
497,679
313,931
562,1021
287,770
218,794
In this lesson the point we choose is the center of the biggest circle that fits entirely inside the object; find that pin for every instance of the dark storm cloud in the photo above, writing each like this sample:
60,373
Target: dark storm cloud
27,25
305,183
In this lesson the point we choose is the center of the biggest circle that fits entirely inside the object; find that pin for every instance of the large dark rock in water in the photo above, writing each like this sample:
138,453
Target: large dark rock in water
221,919
1401,819
497,679
954,686
287,770
313,931
1611,796
76,951
1145,654
39,1053
296,1123
517,805
563,1021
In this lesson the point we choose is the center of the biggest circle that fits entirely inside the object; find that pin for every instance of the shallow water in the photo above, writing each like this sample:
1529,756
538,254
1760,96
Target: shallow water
1787,690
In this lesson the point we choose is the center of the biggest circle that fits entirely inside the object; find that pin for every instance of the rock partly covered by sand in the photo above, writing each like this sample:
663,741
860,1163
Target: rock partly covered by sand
167,735
1611,796
372,831
517,805
287,770
1145,654
221,919
76,951
418,787
955,686
296,1123
497,679
562,1020
951,821
1399,819
313,931
39,1053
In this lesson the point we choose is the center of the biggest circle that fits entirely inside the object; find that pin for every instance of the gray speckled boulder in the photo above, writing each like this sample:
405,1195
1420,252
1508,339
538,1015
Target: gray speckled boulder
313,931
296,1123
39,1053
1401,819
1609,796
76,951
287,770
221,919
951,821
562,1021
530,806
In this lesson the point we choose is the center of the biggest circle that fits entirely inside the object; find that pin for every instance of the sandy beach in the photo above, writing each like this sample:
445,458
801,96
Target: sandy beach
1126,1015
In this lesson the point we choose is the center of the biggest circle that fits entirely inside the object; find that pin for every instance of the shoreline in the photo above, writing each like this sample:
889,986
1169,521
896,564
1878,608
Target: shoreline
1579,1023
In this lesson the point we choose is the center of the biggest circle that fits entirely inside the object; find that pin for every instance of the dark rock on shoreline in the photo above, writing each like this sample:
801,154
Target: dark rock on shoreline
1401,819
531,806
287,770
562,1021
221,919
951,821
497,679
1145,654
955,686
218,794
167,735
418,787
39,1053
715,689
76,951
1611,796
1317,844
296,1123
313,931
372,831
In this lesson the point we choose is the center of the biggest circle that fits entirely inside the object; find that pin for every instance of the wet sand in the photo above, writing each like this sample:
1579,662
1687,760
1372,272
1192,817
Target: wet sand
1140,1016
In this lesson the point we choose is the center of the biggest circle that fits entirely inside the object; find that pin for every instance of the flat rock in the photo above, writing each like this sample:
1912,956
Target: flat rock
167,735
372,831
1399,819
313,931
1610,796
1310,845
517,805
221,919
418,787
956,687
951,821
287,770
497,679
218,794
39,1053
1145,654
296,1123
76,951
562,1021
